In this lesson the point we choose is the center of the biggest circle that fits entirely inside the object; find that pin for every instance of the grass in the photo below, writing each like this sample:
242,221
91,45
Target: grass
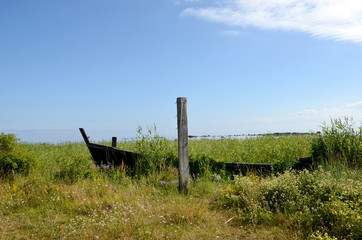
101,209
309,200
266,149
64,196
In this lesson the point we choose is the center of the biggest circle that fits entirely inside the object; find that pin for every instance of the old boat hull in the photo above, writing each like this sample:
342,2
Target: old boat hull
110,156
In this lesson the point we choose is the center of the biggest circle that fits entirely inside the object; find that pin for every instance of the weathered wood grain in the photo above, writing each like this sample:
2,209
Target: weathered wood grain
183,155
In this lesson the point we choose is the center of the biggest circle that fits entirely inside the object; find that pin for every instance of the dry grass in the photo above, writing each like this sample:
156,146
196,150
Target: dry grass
99,209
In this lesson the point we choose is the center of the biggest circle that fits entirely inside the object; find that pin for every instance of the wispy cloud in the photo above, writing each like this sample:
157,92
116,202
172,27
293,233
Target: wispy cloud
312,118
300,121
332,19
349,110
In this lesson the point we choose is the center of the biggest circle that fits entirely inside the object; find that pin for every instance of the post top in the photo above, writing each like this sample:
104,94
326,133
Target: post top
181,99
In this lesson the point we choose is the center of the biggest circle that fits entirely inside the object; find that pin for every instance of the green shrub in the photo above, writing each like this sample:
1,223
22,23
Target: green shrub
246,193
157,153
310,200
320,236
339,141
13,159
71,169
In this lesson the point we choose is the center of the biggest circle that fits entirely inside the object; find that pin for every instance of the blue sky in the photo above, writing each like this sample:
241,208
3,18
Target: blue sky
111,66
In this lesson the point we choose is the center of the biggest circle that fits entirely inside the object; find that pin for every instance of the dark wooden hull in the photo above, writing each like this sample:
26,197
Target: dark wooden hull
105,155
244,168
110,156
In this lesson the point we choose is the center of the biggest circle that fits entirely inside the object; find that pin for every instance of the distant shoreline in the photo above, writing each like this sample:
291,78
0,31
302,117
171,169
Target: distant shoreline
276,134
66,136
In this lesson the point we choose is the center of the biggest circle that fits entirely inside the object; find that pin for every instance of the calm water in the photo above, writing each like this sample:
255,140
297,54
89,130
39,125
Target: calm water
58,136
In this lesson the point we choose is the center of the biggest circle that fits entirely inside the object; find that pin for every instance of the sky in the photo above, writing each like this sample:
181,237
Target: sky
111,66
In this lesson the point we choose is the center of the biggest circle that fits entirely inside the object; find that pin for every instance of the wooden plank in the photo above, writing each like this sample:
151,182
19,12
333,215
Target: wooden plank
85,137
183,155
304,163
107,155
114,141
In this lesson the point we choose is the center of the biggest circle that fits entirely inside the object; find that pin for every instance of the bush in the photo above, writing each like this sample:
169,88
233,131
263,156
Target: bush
340,141
73,168
157,153
13,159
314,201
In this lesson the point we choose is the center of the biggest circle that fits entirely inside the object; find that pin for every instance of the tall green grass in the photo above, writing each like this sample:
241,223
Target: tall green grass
159,152
65,190
339,141
265,149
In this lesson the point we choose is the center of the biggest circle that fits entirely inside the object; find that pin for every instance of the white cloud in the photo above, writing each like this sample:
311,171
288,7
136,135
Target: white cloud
301,121
332,19
315,116
349,110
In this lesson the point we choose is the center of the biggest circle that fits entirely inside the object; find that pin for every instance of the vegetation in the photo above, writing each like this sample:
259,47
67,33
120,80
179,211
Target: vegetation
13,160
313,201
339,142
56,191
160,152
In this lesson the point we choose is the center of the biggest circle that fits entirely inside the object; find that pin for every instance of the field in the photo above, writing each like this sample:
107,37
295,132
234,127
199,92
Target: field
54,191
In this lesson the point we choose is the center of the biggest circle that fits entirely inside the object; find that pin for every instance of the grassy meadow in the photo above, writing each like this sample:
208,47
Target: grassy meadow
54,191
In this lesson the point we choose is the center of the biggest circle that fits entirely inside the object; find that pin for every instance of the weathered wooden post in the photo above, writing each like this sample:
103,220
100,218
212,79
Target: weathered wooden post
114,141
183,154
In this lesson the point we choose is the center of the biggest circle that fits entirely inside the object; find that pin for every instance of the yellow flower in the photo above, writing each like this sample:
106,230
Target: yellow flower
15,188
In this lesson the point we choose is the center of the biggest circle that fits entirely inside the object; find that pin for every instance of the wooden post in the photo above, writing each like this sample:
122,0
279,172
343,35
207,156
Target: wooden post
114,141
183,154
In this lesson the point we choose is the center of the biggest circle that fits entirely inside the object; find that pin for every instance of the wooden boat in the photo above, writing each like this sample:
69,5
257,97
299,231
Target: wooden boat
110,155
